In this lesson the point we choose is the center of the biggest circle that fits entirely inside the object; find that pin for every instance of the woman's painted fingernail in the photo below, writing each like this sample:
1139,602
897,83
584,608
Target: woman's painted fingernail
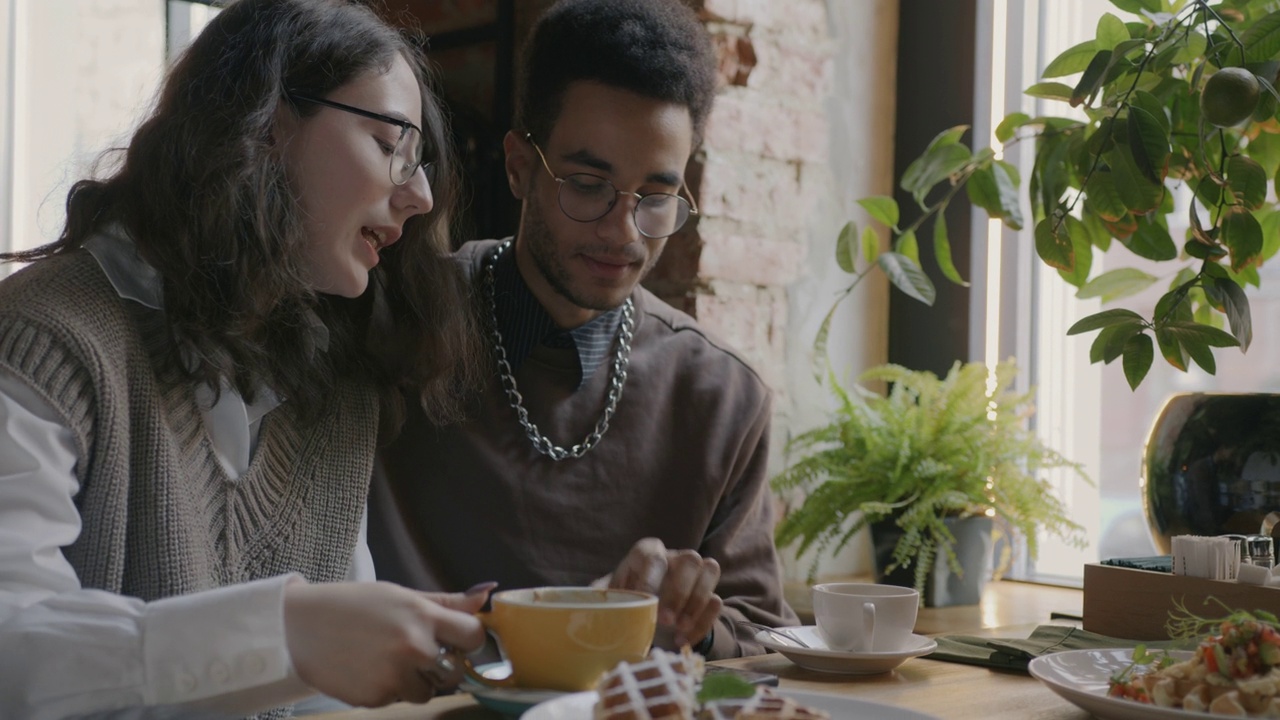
480,588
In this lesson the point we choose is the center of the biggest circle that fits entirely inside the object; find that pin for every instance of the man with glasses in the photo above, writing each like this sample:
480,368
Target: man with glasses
618,444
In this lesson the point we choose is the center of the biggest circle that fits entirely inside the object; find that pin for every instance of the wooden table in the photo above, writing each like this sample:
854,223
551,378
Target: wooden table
948,690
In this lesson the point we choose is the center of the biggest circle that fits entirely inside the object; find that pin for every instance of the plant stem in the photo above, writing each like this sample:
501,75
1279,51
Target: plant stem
1204,6
1061,217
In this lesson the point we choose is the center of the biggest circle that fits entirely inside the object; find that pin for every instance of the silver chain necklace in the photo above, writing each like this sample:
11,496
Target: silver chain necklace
621,358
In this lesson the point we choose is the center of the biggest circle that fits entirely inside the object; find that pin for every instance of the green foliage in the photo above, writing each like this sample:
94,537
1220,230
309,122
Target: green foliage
1111,176
931,449
724,687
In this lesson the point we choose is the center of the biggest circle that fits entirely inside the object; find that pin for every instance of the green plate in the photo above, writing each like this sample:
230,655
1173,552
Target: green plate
510,702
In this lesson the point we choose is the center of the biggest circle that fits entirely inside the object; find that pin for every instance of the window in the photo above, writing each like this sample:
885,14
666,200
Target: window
74,78
1085,411
185,20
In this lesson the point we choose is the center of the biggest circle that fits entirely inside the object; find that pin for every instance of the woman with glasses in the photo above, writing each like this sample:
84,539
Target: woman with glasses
194,376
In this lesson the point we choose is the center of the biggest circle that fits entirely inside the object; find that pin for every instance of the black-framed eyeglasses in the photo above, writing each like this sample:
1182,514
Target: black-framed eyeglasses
408,153
585,197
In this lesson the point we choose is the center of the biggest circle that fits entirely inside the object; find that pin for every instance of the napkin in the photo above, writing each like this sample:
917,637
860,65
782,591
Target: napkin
1157,563
1015,653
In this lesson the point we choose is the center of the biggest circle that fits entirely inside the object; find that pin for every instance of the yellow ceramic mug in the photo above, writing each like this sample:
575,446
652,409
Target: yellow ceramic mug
565,638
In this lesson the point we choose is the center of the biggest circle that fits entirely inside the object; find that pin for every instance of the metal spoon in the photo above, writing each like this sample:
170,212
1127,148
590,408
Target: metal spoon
778,632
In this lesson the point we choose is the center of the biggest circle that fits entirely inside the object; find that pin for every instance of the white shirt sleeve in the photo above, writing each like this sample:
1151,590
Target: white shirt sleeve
66,650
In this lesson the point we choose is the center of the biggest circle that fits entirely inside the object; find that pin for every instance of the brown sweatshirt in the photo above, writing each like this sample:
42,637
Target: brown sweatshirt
684,460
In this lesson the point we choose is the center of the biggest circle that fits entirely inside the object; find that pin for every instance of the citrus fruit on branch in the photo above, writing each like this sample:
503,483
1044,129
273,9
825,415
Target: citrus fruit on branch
1229,97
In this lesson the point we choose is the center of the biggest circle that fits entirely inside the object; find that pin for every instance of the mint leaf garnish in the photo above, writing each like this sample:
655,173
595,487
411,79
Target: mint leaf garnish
724,687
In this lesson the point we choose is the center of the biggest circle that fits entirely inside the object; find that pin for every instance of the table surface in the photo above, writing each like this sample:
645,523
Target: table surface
947,690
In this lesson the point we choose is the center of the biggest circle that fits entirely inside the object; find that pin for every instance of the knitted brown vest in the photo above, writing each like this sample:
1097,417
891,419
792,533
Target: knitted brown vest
160,516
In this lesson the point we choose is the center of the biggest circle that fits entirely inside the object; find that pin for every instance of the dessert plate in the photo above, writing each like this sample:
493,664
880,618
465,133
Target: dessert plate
578,706
510,702
817,657
1081,676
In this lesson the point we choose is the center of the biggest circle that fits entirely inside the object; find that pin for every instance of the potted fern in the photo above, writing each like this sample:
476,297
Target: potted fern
925,462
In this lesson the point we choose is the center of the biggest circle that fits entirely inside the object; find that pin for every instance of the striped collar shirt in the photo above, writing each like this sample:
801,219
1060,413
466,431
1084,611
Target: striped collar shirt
524,324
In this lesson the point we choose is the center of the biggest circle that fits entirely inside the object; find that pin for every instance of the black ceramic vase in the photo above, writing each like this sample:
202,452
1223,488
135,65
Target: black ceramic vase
1212,465
943,588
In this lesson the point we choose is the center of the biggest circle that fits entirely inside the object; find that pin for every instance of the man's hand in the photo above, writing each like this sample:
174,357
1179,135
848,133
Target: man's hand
371,644
684,582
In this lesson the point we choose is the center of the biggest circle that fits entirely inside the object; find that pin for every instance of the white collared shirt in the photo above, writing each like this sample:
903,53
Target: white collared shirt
222,650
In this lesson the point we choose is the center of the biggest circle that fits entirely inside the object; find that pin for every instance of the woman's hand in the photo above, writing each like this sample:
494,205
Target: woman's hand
370,644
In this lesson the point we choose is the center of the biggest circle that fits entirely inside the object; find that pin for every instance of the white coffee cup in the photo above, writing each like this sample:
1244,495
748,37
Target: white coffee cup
865,617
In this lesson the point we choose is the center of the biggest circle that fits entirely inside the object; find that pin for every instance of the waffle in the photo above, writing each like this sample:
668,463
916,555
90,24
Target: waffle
764,706
661,687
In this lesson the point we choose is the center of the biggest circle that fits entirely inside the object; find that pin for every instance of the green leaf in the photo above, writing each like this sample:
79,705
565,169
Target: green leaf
1265,149
1106,318
1109,344
870,245
1053,245
1155,108
1137,6
1138,355
907,244
1139,194
1192,49
950,136
1092,79
1111,32
1082,253
1173,306
1270,232
1049,91
1099,235
1242,234
824,331
942,252
1072,60
1119,58
1208,192
1151,241
1268,103
1262,39
1010,125
934,166
1248,181
995,190
1116,284
1170,349
907,277
1247,276
1187,331
1105,198
724,686
847,248
881,208
1202,355
1236,308
1201,251
1149,144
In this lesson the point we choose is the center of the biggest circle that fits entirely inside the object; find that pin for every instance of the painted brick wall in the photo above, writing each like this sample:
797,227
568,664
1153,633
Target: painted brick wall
765,135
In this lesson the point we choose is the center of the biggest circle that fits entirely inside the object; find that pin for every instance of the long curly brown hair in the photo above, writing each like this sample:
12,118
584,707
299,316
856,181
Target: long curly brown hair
202,191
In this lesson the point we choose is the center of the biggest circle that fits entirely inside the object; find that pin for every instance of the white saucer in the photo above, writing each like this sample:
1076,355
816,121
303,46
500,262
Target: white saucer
817,657
509,702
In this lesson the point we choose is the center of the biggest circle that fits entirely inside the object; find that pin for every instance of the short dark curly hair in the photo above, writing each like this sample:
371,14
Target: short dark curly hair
654,48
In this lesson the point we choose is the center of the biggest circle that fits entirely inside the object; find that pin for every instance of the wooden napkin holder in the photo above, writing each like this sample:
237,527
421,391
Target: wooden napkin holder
1135,604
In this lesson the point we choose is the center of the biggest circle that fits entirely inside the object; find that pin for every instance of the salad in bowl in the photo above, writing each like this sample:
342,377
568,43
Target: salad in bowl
1234,671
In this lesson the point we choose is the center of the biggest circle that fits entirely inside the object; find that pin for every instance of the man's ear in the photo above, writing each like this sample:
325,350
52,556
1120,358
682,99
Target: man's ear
519,163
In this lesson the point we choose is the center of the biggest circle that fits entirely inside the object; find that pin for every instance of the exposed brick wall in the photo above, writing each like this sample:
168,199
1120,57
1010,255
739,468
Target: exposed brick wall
766,133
